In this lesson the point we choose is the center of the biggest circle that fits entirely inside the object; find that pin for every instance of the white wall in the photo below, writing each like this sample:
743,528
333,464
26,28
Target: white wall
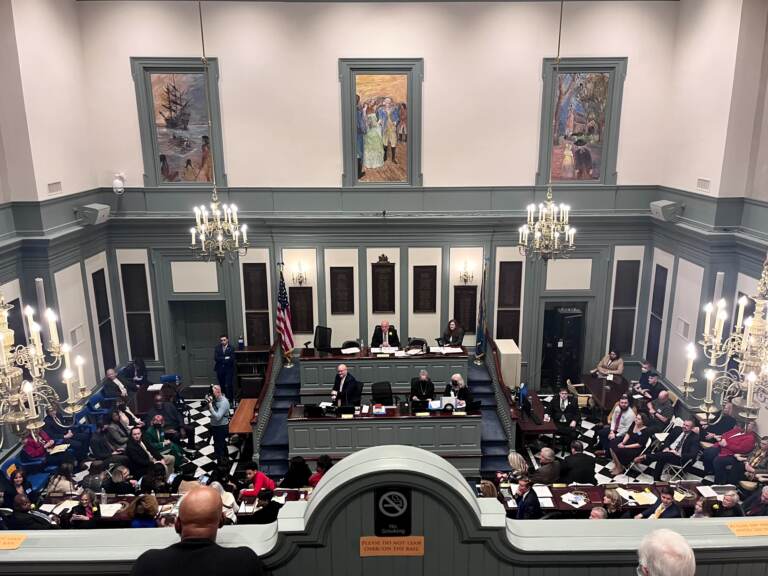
575,274
344,326
58,104
697,94
685,315
74,318
509,254
371,257
425,325
470,257
194,277
12,290
257,256
482,73
92,264
625,253
306,258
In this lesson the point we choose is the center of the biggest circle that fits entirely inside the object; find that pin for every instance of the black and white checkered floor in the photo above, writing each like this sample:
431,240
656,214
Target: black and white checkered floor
603,466
200,417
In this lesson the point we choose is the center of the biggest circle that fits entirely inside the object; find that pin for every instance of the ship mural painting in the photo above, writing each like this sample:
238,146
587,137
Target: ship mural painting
181,127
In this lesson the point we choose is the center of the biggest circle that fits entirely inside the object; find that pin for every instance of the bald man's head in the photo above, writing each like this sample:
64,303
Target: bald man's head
200,514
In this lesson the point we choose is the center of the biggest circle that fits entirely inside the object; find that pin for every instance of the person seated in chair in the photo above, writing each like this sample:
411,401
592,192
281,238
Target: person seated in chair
528,507
660,412
729,507
611,363
141,455
155,438
549,468
422,388
38,444
267,512
24,518
578,467
173,422
385,336
78,441
720,457
620,421
113,387
346,390
667,508
136,372
750,466
564,412
711,433
652,388
453,335
681,446
757,503
459,389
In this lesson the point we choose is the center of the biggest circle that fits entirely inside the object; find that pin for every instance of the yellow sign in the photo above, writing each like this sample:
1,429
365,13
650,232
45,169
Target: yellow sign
11,541
749,528
391,546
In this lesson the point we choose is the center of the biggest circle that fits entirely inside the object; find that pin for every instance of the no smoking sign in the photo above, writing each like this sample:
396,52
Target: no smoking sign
392,511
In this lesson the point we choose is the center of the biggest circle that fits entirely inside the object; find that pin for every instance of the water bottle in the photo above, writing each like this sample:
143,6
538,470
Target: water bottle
103,497
241,343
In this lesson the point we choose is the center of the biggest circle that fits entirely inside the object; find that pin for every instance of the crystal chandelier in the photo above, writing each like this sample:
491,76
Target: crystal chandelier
24,402
549,235
737,362
218,234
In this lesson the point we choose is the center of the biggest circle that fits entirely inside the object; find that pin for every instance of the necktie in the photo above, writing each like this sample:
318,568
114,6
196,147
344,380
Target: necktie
616,421
341,384
678,443
386,338
659,512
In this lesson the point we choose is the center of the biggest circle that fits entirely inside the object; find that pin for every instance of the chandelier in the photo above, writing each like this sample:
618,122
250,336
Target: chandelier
737,362
218,234
25,401
549,235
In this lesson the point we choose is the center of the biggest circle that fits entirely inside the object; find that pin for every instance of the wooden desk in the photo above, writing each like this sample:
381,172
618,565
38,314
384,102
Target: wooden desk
527,426
146,399
605,393
455,438
318,371
242,419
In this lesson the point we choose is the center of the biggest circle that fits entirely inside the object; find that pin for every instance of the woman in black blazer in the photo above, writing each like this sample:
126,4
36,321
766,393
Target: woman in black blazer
453,335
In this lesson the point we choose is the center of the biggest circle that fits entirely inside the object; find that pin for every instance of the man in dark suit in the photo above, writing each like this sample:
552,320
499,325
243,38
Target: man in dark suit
198,554
224,366
24,518
528,507
142,455
549,468
422,388
757,503
113,387
666,508
564,412
385,336
578,467
680,446
346,390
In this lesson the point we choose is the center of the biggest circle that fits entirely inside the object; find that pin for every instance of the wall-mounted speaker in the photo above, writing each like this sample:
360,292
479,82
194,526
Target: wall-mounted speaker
93,214
666,210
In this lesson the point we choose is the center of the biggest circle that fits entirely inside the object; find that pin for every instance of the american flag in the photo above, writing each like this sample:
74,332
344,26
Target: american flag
284,317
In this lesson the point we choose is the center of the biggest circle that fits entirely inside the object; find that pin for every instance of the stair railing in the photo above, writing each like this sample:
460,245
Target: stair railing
265,400
504,400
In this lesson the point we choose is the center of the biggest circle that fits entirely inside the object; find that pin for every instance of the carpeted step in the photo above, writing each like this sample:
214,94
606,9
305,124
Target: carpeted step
492,464
283,404
492,429
494,448
482,389
289,375
276,433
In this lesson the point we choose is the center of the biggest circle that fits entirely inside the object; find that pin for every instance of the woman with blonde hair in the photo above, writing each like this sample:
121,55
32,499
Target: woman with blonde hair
517,463
228,503
612,503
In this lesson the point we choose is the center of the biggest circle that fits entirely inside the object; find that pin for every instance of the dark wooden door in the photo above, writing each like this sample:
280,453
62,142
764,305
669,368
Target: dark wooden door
197,327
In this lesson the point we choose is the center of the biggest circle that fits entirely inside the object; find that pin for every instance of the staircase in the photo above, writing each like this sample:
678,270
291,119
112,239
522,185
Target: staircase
494,445
273,456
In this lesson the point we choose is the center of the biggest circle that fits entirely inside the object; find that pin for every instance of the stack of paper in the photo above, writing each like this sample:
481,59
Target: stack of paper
400,354
542,491
280,499
546,503
706,491
354,350
155,387
414,352
109,510
246,508
511,503
375,350
575,500
436,349
65,505
451,350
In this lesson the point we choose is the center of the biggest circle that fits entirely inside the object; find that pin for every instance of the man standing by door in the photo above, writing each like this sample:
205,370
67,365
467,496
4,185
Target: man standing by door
224,366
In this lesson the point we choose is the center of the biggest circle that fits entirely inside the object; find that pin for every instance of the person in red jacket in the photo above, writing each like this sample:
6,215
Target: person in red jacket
719,457
38,444
324,464
259,480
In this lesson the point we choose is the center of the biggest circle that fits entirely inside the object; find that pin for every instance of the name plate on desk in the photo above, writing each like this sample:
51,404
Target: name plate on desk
421,414
347,416
459,413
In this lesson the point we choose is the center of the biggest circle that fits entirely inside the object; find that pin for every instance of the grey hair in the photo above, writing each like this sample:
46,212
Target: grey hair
733,494
666,553
765,489
423,372
602,511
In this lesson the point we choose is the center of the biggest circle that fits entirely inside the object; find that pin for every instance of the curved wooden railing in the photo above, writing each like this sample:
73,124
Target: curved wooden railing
504,401
263,411
248,409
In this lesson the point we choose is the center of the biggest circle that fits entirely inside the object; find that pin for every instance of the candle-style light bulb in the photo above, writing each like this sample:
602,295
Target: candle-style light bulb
80,362
707,318
691,357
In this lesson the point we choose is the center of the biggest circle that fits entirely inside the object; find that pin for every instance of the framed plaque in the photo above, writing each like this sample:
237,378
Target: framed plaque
302,311
424,289
383,287
342,290
465,307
